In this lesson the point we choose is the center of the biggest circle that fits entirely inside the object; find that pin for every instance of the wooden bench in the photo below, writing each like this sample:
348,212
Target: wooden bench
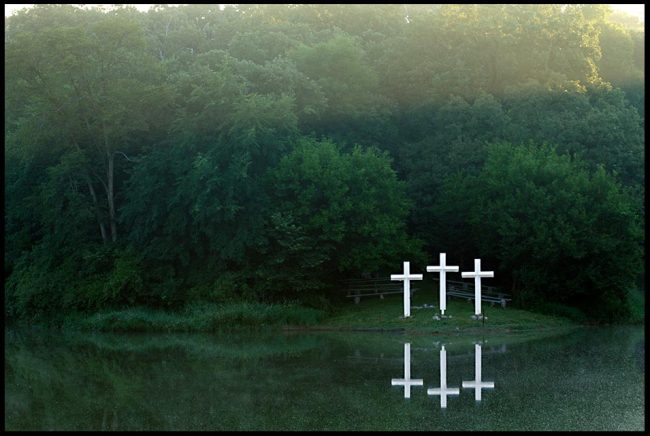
464,289
469,286
357,288
490,298
373,287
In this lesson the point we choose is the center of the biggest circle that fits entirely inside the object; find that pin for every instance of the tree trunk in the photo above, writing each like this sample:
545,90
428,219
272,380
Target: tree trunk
102,228
111,197
110,194
514,290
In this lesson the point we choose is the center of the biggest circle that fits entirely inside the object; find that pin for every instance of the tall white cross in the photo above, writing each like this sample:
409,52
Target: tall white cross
477,274
406,277
443,391
407,382
477,384
442,269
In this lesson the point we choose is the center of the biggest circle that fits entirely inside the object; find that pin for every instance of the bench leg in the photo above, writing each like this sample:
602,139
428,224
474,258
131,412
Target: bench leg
503,303
356,300
381,296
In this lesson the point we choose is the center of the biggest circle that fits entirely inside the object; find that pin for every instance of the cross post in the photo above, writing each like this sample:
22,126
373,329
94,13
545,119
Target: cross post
442,269
477,274
407,277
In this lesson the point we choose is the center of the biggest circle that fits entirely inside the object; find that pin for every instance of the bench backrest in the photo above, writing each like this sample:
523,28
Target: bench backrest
451,285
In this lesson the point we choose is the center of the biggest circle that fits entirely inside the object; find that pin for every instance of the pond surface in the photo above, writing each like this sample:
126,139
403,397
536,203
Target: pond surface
589,379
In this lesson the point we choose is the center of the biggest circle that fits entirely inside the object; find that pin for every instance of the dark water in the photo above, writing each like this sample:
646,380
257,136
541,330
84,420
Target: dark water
590,379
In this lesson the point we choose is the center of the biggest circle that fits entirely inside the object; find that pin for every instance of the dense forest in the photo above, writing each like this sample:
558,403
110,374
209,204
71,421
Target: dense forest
266,152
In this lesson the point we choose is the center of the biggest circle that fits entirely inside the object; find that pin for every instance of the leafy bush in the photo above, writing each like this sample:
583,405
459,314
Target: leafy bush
557,231
565,311
333,213
200,317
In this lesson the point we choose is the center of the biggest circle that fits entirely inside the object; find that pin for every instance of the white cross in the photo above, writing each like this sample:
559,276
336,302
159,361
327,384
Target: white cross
477,274
442,269
406,277
407,382
477,384
443,391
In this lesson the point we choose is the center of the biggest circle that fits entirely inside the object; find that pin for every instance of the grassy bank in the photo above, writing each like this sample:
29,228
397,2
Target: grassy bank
197,318
377,314
371,314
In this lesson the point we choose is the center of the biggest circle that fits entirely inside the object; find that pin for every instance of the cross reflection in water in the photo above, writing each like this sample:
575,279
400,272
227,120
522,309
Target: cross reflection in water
407,382
477,384
443,391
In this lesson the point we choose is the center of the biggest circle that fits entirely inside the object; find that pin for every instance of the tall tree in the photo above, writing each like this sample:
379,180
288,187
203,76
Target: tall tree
94,83
555,228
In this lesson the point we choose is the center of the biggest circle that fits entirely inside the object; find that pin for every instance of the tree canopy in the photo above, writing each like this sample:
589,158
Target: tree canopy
265,152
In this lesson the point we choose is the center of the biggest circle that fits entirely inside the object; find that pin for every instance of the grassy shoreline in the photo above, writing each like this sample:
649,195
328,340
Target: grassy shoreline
370,315
374,314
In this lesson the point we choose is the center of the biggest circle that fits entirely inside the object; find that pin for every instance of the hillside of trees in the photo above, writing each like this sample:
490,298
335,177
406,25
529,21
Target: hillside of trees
267,152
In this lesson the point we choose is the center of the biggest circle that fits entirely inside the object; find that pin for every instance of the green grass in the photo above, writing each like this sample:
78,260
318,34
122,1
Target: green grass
636,299
197,318
387,314
371,313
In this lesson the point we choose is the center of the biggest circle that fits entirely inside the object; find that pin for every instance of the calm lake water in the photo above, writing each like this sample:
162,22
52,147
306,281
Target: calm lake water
589,379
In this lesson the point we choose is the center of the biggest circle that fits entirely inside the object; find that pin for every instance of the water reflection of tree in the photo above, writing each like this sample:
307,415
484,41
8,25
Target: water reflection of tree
112,382
305,381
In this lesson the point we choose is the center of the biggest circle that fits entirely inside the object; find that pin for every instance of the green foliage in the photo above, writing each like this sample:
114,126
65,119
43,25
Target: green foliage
596,124
50,281
263,152
562,310
340,68
559,233
201,317
636,301
333,214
